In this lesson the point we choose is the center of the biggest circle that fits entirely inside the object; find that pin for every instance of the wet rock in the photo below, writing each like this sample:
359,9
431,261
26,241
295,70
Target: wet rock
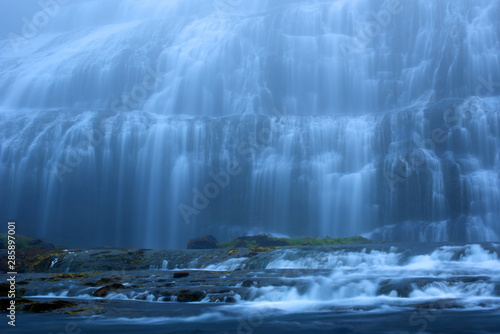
248,283
142,296
48,307
263,249
402,287
223,299
43,265
205,242
33,260
5,302
91,284
187,296
60,277
166,299
221,291
4,289
105,290
181,274
468,279
107,280
440,304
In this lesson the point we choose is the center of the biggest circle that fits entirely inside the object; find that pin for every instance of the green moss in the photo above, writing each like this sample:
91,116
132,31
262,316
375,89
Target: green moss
252,244
326,241
356,240
37,260
227,244
78,311
59,277
38,307
263,249
232,244
107,280
5,302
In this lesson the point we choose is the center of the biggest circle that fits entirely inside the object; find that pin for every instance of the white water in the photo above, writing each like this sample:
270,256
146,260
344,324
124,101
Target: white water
112,112
358,277
212,58
367,280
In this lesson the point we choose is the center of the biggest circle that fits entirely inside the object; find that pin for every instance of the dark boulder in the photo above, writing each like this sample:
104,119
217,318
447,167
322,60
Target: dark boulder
248,283
5,302
105,290
181,274
107,280
205,242
4,289
187,296
38,307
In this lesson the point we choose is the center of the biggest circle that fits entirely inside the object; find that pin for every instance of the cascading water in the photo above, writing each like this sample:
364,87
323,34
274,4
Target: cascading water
145,123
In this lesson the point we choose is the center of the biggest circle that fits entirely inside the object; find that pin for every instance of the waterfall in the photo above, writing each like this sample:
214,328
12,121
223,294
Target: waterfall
146,123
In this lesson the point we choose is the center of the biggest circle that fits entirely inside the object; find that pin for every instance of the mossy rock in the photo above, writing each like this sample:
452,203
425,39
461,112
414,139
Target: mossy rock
263,249
37,260
188,296
5,302
91,284
107,280
73,276
38,307
78,311
105,290
263,241
248,283
4,289
21,292
60,277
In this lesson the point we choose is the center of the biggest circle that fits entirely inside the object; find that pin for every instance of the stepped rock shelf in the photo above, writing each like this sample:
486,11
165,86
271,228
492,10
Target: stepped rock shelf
95,288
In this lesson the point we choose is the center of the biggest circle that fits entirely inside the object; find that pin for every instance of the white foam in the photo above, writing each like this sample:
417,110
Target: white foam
227,265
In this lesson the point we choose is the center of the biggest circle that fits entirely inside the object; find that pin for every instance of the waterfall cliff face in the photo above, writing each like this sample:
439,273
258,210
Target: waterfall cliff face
145,123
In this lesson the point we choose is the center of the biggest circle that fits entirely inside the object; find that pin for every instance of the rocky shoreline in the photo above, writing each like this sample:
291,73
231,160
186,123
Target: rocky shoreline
120,283
70,275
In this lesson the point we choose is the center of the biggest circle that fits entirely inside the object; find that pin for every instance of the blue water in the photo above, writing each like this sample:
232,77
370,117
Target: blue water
146,123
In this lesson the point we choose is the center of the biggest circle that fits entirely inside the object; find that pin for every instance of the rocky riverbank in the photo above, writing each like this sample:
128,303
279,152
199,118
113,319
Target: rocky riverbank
194,285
